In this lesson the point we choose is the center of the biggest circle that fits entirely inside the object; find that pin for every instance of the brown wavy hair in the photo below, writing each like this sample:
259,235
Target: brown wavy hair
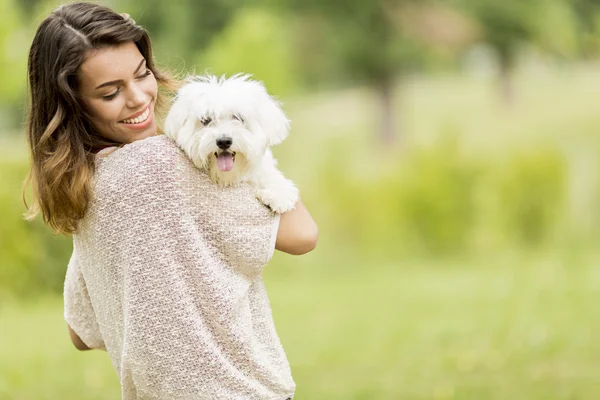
60,135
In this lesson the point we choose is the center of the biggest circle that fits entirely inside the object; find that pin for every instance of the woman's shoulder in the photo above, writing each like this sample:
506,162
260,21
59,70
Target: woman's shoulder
153,154
156,165
154,161
154,147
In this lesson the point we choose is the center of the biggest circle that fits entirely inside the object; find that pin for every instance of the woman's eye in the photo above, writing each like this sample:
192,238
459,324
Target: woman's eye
147,73
238,117
206,120
111,96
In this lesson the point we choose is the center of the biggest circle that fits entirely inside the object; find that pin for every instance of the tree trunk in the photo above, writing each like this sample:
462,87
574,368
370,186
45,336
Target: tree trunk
507,92
388,131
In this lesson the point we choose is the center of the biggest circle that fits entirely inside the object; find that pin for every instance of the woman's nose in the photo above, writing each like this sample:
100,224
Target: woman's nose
136,97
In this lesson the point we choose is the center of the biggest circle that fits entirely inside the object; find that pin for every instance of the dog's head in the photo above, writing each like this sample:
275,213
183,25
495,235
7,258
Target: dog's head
225,123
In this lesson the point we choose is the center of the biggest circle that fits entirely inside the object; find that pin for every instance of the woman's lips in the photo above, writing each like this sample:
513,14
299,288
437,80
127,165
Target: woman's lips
137,114
142,124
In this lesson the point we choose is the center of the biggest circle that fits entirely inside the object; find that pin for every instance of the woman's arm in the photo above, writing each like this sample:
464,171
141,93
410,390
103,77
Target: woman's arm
77,342
298,232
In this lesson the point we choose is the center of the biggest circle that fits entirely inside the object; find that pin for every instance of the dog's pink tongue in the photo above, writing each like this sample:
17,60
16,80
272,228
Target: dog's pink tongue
225,161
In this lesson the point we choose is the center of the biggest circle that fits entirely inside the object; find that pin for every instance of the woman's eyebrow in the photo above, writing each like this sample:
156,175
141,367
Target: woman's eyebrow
121,80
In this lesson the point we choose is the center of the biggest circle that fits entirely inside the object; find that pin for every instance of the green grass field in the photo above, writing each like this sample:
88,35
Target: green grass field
516,325
524,329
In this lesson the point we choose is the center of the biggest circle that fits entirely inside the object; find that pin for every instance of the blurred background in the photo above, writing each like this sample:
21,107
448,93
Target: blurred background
449,151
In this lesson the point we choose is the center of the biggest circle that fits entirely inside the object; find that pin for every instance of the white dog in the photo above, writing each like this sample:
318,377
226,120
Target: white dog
226,127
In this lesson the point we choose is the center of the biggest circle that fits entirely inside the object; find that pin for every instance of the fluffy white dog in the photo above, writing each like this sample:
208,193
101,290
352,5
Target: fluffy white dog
226,127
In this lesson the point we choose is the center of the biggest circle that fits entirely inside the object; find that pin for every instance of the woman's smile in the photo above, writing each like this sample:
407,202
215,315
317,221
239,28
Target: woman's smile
140,120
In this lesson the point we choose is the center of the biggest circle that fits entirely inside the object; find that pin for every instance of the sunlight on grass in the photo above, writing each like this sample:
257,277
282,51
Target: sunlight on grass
519,331
522,331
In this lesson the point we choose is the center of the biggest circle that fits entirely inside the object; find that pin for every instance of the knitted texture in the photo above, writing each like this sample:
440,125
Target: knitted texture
166,276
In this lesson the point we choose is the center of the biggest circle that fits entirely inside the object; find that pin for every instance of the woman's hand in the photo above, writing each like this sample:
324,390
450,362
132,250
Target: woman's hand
77,342
298,232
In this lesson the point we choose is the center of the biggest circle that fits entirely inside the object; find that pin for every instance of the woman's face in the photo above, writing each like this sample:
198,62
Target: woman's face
119,92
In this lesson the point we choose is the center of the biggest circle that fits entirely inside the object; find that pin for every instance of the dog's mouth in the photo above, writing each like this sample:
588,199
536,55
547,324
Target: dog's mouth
225,160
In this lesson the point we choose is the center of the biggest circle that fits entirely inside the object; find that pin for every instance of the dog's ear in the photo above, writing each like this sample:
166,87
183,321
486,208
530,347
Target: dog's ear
180,121
273,120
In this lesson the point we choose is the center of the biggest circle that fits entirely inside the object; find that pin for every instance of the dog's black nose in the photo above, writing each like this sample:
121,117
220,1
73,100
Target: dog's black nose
224,142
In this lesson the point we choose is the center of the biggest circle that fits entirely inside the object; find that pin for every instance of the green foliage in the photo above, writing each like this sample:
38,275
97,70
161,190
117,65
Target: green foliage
588,20
255,42
556,29
505,24
436,207
180,30
436,201
554,26
13,48
419,204
362,37
32,259
532,192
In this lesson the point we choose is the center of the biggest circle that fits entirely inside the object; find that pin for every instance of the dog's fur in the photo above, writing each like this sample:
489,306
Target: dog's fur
209,111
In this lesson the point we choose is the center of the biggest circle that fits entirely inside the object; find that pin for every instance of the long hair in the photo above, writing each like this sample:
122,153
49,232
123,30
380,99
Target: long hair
60,136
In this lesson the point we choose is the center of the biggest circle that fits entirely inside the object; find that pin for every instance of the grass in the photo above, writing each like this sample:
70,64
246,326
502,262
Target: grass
526,329
519,327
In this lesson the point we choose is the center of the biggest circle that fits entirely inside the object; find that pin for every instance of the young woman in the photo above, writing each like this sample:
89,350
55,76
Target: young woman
166,267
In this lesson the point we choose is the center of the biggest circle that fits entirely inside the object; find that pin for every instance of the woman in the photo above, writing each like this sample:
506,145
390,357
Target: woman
166,267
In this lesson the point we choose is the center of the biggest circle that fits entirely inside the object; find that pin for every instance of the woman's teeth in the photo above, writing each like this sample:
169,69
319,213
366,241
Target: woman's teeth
138,119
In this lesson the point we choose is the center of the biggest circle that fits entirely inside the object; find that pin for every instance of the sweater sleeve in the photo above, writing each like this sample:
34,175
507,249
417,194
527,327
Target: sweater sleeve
78,310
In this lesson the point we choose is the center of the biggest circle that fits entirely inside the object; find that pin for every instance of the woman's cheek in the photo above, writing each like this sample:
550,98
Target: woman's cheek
152,85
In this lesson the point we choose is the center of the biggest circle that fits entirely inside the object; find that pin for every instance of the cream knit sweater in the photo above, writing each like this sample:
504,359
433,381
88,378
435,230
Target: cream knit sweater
166,276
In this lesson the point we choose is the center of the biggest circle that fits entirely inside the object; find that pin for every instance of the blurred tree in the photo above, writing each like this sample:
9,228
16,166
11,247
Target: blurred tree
588,18
28,7
505,25
374,42
13,47
256,41
181,29
556,29
366,43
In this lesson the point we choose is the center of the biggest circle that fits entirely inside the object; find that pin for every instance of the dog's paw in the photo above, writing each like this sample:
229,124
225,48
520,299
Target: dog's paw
279,200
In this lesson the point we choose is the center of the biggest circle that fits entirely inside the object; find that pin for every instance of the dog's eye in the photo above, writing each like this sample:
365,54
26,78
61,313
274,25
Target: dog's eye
238,117
206,120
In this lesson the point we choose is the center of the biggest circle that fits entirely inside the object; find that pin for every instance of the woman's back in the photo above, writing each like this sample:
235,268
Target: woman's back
166,275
